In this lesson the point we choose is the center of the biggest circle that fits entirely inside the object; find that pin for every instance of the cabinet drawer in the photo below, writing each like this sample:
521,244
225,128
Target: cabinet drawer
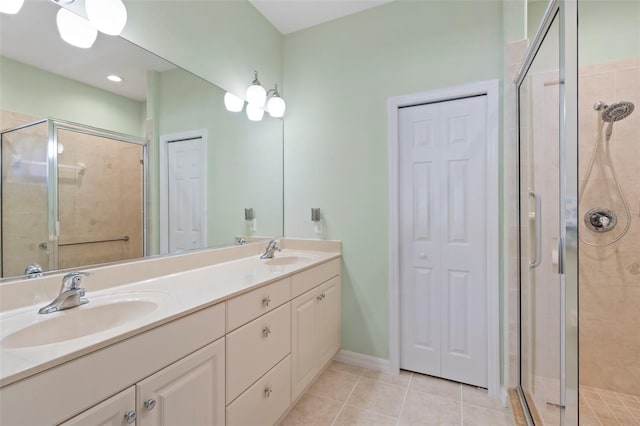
255,348
111,412
244,308
305,281
264,402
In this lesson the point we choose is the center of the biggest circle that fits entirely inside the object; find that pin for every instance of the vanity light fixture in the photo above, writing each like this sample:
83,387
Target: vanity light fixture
114,78
75,30
275,105
233,103
254,113
107,16
256,94
11,7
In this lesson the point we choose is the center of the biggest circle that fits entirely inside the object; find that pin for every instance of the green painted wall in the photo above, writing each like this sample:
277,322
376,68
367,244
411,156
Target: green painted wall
29,90
338,77
222,41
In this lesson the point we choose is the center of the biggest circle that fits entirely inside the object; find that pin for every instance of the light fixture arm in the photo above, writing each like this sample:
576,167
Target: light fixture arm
273,92
255,79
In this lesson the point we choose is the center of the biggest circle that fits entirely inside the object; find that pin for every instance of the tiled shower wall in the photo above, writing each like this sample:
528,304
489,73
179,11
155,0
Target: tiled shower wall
610,276
100,198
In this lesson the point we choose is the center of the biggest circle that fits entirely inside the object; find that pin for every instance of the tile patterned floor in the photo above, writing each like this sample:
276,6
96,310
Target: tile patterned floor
601,407
345,394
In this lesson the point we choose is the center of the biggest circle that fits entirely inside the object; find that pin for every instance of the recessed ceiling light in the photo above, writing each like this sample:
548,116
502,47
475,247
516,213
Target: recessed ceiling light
114,78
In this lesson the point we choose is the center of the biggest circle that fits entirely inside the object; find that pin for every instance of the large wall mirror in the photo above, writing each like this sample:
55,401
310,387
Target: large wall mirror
97,171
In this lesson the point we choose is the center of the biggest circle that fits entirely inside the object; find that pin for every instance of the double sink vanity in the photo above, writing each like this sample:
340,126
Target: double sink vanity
209,338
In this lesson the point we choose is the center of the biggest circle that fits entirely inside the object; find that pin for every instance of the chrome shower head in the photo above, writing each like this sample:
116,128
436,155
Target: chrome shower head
617,111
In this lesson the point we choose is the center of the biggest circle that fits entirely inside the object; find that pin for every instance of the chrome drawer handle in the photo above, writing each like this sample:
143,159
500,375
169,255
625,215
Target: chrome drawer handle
321,296
267,391
266,301
150,404
266,331
130,417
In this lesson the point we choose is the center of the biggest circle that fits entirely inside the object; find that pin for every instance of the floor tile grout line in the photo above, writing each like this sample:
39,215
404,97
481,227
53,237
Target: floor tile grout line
344,404
404,399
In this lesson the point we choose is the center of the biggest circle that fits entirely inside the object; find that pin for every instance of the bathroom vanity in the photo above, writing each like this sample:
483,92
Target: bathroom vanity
234,343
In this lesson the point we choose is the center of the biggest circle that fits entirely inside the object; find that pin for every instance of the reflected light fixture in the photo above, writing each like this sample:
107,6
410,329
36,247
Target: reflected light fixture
275,105
107,16
114,78
233,103
256,94
75,30
254,113
11,7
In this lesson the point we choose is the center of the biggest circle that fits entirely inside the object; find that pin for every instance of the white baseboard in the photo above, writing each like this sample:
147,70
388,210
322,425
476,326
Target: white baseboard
362,360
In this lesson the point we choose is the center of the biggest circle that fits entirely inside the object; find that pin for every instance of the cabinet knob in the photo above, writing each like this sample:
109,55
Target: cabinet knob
150,404
319,297
267,391
130,417
266,331
266,301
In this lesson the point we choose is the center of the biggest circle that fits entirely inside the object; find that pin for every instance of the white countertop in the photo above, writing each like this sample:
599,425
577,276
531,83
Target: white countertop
176,295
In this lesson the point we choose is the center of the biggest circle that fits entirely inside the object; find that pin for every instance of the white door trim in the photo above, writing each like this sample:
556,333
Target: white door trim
490,88
164,183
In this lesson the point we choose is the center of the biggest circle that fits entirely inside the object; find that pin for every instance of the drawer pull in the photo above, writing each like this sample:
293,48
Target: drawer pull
266,301
321,296
150,404
130,417
267,391
266,331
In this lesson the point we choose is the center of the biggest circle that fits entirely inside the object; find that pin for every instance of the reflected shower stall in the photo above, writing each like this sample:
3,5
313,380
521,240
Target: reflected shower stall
579,216
72,195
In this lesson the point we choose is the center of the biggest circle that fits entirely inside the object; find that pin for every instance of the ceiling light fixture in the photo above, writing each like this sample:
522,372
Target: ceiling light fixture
114,78
276,105
75,30
107,16
233,103
11,7
256,94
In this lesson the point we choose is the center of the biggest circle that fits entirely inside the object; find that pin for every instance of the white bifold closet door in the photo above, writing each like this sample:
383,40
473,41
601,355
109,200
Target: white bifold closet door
443,289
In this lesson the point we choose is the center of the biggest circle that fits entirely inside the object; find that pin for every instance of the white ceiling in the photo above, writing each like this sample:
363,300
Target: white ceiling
293,15
32,37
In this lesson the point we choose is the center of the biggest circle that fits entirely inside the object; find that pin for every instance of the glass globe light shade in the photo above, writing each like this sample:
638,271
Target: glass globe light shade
256,95
233,103
276,106
108,16
11,7
254,113
75,30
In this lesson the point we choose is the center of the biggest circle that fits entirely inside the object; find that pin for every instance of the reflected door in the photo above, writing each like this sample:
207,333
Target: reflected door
540,203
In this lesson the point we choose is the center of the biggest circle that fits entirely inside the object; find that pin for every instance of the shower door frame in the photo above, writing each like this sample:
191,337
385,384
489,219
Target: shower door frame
53,125
566,11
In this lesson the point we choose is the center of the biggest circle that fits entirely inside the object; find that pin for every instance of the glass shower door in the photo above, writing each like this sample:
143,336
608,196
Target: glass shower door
25,211
540,205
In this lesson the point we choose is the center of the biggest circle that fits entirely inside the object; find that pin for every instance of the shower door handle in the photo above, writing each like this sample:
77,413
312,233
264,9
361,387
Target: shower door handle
537,218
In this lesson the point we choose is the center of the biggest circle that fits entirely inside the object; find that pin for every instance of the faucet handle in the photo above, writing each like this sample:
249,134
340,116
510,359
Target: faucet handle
72,280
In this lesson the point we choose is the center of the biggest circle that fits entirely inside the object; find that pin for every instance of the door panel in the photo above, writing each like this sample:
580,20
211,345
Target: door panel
443,217
187,178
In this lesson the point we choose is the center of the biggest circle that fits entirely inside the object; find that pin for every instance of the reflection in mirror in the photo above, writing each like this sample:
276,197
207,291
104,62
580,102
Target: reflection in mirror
205,165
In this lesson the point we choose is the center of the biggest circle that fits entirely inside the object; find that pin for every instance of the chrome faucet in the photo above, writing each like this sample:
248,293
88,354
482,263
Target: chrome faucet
71,294
272,247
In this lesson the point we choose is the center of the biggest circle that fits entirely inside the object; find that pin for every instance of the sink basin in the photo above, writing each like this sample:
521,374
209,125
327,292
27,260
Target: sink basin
288,260
78,322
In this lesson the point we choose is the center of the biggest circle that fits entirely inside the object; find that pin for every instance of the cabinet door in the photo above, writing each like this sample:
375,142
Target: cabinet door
111,412
328,326
304,341
188,392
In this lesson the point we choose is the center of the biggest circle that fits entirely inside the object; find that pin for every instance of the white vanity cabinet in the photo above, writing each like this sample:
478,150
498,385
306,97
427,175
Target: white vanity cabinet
315,332
240,362
113,412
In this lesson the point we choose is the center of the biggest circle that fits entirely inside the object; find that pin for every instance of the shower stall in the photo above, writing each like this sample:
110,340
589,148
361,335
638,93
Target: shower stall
579,216
71,195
